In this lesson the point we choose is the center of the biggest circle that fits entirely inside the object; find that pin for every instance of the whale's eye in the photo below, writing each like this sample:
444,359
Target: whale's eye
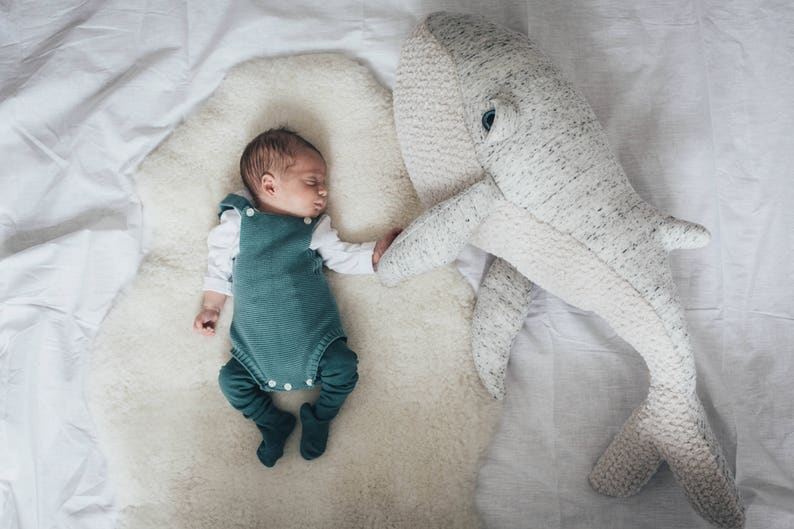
487,119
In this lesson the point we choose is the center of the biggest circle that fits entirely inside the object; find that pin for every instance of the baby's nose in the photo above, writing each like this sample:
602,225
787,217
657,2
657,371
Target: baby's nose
322,191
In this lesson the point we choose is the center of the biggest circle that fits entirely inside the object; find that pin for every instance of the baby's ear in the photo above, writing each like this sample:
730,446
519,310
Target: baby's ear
268,184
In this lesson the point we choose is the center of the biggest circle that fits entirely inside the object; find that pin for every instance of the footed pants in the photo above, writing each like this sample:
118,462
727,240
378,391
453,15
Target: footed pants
338,376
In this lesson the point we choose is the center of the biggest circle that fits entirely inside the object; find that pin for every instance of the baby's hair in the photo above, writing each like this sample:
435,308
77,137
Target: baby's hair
272,150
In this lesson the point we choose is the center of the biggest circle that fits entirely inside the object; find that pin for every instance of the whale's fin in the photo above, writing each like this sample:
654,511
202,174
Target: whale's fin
677,234
502,306
419,248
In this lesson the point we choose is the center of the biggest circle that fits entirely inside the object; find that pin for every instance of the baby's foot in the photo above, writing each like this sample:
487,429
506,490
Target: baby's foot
315,433
274,435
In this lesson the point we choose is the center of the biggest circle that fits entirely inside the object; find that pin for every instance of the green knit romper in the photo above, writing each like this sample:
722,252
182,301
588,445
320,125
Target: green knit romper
284,313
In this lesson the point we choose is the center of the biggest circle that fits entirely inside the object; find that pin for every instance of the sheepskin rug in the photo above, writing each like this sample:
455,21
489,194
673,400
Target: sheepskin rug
404,450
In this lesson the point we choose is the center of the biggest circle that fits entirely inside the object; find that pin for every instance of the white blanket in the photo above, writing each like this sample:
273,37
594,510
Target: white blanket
695,97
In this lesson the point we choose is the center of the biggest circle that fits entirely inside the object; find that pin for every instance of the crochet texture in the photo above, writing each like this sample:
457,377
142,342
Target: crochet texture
539,188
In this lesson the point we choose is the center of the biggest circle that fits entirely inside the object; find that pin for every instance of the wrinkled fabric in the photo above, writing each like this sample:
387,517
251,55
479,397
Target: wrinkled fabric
86,92
695,98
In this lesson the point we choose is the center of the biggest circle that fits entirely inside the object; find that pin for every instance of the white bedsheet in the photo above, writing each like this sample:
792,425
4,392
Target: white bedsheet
696,100
695,96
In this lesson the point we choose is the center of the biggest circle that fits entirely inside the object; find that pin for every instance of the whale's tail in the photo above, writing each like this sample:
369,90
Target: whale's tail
674,430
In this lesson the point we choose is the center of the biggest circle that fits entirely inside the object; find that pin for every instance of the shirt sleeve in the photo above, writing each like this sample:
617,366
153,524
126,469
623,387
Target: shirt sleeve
340,256
223,243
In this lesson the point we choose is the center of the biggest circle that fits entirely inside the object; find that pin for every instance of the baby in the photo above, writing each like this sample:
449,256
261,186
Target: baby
268,252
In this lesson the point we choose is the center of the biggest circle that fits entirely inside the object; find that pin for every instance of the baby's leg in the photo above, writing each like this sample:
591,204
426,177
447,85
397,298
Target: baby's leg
339,376
242,392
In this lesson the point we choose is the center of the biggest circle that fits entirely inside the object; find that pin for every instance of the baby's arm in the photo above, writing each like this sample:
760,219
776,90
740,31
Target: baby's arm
223,243
210,312
345,257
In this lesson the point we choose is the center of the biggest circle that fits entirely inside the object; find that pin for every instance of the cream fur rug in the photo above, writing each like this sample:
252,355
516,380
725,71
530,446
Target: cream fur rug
404,451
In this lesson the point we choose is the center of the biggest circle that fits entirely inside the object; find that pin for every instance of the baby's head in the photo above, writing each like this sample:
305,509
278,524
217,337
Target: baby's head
285,174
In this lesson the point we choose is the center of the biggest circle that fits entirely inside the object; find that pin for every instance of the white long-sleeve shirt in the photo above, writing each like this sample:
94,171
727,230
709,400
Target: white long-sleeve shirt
223,242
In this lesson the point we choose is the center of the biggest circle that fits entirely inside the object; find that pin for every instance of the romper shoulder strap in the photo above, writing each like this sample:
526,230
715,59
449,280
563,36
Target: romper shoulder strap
235,201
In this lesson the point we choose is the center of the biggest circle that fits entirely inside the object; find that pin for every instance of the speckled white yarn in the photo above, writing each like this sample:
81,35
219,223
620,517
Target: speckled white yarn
501,308
439,157
565,217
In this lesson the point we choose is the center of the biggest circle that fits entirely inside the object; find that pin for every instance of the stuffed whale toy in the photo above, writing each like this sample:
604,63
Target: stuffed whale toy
505,155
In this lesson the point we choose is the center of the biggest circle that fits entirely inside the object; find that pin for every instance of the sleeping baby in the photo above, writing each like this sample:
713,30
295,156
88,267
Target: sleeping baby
268,252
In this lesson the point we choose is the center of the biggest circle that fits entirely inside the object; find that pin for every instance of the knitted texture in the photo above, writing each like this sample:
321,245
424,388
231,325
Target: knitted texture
565,217
441,162
502,306
284,313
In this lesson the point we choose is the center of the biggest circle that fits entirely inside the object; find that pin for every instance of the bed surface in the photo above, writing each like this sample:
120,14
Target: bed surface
695,97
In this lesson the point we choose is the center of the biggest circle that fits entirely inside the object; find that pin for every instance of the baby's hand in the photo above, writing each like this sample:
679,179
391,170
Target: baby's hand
204,323
383,244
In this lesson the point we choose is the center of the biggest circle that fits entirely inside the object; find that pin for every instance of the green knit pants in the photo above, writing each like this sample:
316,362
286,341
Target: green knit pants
338,376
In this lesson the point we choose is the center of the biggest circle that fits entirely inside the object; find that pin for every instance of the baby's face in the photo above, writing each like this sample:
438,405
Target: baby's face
300,189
